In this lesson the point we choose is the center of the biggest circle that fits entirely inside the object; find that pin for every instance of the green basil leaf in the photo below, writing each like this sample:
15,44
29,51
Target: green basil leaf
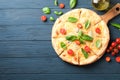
80,33
116,25
98,43
71,38
87,38
46,10
56,2
87,24
58,13
81,40
84,53
72,19
63,45
52,19
72,3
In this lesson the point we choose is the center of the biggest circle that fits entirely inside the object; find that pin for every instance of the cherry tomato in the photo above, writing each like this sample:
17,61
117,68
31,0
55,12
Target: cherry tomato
107,50
77,42
108,59
110,48
87,49
117,40
63,31
43,18
118,46
61,5
113,44
70,52
113,53
117,59
79,25
98,30
116,50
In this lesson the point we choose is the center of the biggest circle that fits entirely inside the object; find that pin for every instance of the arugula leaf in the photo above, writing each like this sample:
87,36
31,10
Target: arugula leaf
84,53
87,24
72,19
63,45
71,38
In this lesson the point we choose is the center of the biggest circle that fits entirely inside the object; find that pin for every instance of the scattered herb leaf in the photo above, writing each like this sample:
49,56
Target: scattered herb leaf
116,25
46,10
52,19
56,2
72,3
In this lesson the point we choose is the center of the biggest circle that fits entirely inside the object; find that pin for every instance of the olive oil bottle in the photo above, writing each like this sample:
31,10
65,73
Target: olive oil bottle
101,4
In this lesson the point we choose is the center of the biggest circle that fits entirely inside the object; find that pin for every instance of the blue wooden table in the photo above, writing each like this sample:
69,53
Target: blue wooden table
26,52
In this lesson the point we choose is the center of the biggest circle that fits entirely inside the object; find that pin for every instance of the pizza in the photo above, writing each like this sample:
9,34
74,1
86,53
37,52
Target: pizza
80,36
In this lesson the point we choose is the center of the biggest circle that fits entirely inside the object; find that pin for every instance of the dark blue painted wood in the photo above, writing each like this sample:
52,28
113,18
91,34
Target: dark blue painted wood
26,52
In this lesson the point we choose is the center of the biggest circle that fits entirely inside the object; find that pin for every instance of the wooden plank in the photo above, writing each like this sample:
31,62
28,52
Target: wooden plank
37,3
40,3
26,32
38,32
13,49
54,65
59,76
24,16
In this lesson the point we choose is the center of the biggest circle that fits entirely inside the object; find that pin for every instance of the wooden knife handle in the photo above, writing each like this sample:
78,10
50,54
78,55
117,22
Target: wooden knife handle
111,13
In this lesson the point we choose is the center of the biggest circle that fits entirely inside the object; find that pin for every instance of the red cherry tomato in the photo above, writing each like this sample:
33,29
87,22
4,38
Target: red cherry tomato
98,30
87,49
61,5
113,53
63,31
113,44
117,40
107,50
116,50
43,18
117,59
118,46
110,48
79,25
70,52
77,42
108,59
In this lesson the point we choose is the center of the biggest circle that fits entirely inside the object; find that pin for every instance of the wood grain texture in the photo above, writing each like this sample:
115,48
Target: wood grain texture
26,52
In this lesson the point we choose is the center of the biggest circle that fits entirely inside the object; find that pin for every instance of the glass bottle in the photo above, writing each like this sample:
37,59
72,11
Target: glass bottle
101,4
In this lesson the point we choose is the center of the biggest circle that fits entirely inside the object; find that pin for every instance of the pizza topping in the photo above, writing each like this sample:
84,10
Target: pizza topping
46,10
71,38
70,52
98,30
79,25
87,49
98,43
84,53
63,31
72,19
43,18
87,38
63,45
77,42
87,24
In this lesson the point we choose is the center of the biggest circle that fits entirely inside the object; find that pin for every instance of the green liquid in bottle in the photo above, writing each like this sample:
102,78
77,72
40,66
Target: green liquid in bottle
101,4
